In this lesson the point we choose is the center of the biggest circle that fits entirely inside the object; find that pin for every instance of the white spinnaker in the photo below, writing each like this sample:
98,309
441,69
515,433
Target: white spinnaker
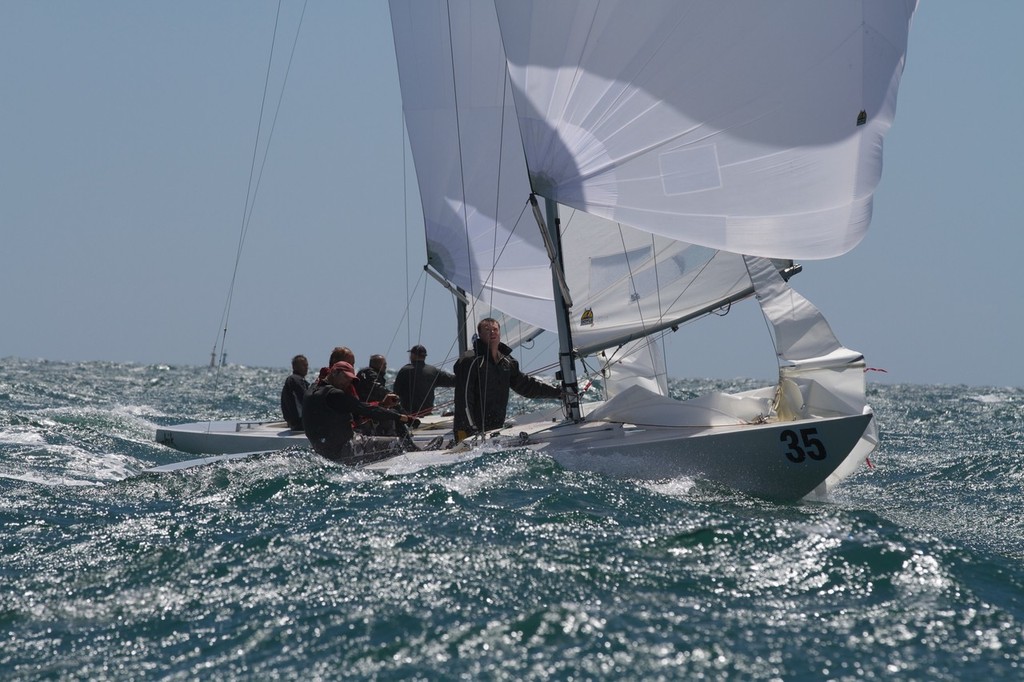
733,125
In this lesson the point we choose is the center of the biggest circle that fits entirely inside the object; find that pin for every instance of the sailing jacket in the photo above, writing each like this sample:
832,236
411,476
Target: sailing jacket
292,395
482,386
415,384
327,415
370,385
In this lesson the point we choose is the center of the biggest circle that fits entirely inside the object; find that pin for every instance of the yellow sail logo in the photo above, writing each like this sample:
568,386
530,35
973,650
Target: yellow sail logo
587,318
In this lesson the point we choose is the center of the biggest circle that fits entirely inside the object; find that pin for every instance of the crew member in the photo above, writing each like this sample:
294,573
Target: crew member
328,413
484,375
415,382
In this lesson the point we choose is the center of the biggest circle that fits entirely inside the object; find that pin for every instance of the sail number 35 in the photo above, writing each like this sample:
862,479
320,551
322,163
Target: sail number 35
803,445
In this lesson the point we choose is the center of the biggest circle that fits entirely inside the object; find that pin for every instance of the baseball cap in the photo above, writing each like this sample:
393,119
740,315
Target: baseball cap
344,368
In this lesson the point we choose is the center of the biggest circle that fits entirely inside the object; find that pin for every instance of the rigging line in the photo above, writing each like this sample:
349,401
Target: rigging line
423,313
497,257
488,279
632,282
692,281
405,207
496,254
277,111
632,279
518,221
626,349
661,310
248,191
405,313
657,288
657,278
700,271
497,187
577,77
253,190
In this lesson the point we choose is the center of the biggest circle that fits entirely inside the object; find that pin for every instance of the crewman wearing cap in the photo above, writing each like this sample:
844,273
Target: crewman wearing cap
329,409
415,382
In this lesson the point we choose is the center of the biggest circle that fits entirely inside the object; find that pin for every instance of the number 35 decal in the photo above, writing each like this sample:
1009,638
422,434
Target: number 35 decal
805,445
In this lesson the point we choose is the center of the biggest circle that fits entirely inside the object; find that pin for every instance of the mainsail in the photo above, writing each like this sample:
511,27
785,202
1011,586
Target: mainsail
465,141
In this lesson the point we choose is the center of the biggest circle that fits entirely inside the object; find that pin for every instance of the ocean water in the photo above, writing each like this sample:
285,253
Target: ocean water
502,567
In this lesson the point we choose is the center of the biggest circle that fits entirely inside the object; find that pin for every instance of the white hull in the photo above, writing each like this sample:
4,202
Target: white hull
202,461
757,459
226,437
733,439
229,437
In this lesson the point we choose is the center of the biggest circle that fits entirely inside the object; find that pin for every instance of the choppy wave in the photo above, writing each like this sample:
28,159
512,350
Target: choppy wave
504,566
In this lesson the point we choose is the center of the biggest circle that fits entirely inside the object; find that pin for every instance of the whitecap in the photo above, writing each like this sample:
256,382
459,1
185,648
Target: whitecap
989,398
676,487
49,481
71,465
142,411
17,436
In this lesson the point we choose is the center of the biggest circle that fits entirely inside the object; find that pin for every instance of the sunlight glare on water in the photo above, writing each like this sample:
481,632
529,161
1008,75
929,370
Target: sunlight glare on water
503,565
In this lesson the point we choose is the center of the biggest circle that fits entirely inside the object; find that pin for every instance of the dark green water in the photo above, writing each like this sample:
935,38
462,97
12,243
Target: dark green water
502,567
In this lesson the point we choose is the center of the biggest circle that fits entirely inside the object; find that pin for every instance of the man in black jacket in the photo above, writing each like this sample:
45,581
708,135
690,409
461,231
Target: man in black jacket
370,380
484,375
415,382
371,388
292,394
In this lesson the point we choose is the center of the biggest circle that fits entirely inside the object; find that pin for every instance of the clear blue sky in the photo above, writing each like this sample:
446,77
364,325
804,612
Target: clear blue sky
126,139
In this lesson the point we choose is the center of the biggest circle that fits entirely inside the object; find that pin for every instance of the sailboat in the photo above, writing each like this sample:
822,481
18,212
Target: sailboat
610,170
